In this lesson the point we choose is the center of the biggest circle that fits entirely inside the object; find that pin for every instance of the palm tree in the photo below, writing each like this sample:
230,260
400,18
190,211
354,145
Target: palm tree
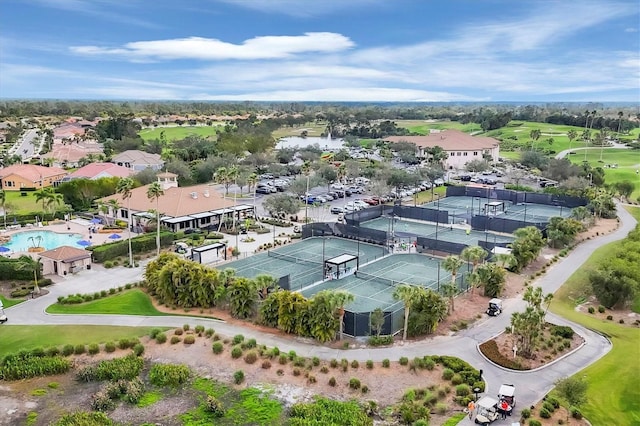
451,264
55,199
154,191
114,205
264,283
534,135
226,176
338,299
306,170
620,115
252,181
27,263
407,294
473,255
450,290
43,195
124,187
571,134
3,200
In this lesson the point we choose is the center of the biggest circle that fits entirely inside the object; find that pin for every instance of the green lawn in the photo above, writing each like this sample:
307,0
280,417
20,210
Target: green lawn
131,302
17,337
21,205
628,162
635,211
422,127
178,132
10,302
613,394
313,129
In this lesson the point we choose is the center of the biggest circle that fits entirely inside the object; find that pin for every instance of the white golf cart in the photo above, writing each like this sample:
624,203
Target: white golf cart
487,411
508,393
495,307
3,316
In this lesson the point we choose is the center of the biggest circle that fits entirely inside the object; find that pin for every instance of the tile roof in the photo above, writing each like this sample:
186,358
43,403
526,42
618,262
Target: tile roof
31,172
92,170
66,254
72,152
448,140
134,156
176,201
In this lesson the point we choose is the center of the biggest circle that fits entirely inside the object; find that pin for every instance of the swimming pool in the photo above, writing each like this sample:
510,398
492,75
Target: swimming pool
21,241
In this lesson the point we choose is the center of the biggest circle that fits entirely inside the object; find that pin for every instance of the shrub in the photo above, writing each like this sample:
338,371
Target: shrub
369,364
237,339
463,390
189,339
404,360
109,347
124,344
283,359
199,329
311,379
592,309
491,351
562,331
332,382
386,363
610,317
209,332
101,401
251,357
94,348
333,363
354,383
299,361
217,348
548,406
575,413
266,364
601,309
428,363
324,369
251,343
544,413
178,332
53,351
174,340
169,374
315,361
441,408
133,391
292,355
154,333
161,338
79,349
297,372
409,395
25,365
553,402
456,379
238,377
380,340
138,349
355,364
534,422
236,352
214,406
526,413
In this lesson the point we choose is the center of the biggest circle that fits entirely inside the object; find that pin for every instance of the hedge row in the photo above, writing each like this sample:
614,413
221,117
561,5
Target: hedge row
139,244
491,351
10,270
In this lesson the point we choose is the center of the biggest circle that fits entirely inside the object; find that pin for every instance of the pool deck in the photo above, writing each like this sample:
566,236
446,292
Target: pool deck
74,226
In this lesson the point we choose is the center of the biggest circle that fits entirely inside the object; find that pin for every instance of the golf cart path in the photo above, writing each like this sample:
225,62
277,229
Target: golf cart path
530,386
566,152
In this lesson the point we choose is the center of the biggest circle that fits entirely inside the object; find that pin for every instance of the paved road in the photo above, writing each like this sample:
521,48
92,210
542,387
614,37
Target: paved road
25,148
566,152
531,386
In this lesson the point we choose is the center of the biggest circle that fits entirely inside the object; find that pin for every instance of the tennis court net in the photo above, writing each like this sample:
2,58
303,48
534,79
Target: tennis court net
369,277
293,259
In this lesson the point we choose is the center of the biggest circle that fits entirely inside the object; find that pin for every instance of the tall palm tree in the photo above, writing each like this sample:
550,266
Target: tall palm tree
620,115
43,195
534,135
408,295
474,255
338,299
114,205
3,200
452,264
252,181
571,135
154,192
55,200
306,170
124,187
450,290
27,263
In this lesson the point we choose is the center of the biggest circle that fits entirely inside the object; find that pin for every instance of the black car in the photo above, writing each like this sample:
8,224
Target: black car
263,190
465,178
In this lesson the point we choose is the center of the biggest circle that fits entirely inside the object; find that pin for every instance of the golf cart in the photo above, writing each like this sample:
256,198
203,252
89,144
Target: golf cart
507,393
487,411
495,307
3,316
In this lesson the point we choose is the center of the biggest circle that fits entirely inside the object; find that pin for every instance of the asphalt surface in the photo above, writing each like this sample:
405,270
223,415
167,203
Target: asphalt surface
26,149
531,386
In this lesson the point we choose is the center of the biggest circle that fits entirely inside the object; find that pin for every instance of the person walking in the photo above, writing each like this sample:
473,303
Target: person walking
504,407
471,407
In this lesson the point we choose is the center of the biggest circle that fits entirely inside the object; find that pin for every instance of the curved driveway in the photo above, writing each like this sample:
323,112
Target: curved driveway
531,386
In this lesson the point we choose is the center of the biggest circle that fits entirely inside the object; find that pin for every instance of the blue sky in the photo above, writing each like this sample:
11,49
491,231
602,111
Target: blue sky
321,50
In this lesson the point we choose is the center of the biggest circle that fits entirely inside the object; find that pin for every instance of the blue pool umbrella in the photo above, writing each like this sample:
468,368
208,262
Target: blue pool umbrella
96,221
4,249
115,236
83,243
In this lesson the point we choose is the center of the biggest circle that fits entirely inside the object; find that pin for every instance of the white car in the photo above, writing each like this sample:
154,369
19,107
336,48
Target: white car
337,186
360,203
352,206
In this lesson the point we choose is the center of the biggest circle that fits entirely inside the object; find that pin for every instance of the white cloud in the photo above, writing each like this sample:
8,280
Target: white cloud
99,9
308,9
630,30
265,47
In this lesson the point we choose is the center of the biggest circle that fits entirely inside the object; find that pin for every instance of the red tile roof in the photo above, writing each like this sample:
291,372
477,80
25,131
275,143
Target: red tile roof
92,170
31,172
66,254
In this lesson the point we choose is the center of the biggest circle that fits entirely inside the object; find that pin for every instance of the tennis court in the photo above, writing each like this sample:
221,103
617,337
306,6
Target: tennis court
460,205
407,228
535,212
303,261
373,285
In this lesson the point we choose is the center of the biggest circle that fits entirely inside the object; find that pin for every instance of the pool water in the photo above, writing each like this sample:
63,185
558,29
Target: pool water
21,241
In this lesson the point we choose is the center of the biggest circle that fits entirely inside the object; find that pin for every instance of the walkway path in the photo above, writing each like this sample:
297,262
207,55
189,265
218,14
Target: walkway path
564,153
531,386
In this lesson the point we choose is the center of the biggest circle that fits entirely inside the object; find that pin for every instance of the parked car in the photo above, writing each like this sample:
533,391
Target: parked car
356,189
337,186
340,193
371,201
361,204
328,196
466,178
333,194
337,210
265,189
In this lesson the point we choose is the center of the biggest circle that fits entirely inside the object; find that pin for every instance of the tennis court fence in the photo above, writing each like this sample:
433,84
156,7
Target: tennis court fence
293,259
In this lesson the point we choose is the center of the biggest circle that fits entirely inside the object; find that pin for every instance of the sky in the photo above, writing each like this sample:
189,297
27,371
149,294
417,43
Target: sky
321,50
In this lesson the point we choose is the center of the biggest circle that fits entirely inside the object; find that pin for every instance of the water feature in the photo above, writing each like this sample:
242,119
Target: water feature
21,241
326,143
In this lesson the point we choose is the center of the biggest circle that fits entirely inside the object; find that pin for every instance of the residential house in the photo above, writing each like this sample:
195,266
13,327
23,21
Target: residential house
65,260
138,160
460,147
95,171
192,207
29,176
69,154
